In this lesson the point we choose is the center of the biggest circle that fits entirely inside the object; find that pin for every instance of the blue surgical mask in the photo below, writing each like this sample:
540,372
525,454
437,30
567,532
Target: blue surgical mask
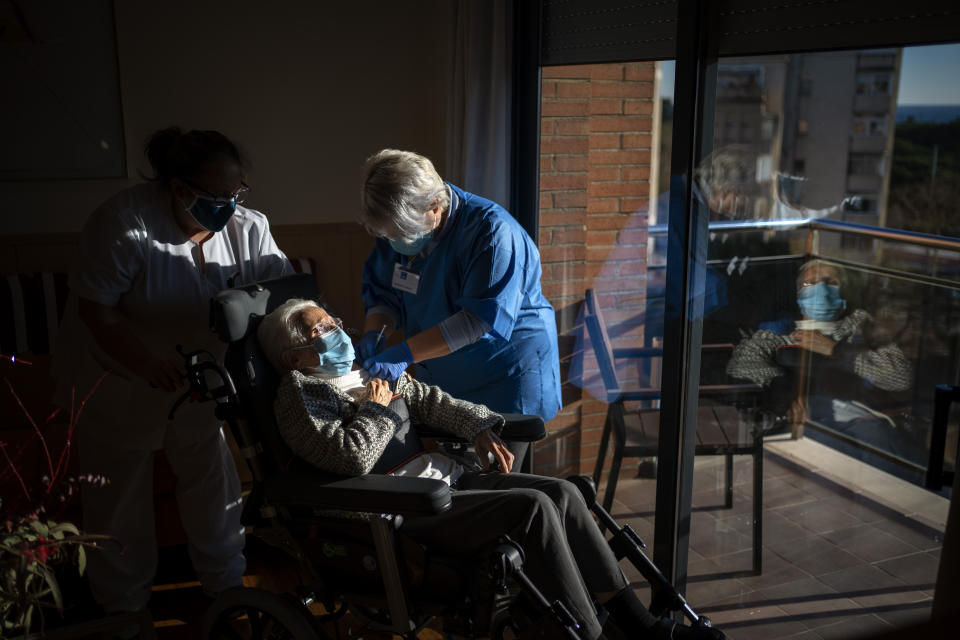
821,301
335,351
412,246
212,215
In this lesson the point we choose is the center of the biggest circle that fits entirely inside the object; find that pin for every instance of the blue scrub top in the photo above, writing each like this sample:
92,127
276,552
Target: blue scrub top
488,265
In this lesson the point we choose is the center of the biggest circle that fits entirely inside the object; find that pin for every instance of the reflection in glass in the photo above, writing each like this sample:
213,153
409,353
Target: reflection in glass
810,138
831,157
825,169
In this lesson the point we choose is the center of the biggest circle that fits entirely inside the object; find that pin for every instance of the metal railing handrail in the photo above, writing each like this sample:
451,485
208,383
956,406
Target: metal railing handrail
897,235
825,224
740,225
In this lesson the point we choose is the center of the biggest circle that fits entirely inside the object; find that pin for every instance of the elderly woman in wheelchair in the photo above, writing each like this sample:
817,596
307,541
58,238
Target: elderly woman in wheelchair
331,414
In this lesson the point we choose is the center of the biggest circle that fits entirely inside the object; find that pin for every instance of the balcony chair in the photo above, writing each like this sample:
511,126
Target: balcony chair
720,427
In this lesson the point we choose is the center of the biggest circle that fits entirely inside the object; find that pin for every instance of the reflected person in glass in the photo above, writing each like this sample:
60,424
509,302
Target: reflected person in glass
853,370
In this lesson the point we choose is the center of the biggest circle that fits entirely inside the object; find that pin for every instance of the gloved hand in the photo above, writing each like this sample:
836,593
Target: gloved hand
370,345
390,363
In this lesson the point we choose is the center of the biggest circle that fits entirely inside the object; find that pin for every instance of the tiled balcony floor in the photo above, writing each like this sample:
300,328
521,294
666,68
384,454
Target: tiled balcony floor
836,562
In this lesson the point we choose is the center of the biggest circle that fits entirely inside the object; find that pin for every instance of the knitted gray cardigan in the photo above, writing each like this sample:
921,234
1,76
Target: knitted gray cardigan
336,433
884,366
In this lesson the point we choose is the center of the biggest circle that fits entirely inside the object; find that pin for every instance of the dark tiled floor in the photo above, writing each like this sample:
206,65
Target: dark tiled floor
835,564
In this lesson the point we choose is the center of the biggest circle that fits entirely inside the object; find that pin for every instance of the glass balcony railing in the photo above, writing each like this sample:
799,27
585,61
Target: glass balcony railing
873,396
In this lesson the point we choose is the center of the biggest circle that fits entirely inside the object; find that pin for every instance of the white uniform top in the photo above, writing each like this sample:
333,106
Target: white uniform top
134,256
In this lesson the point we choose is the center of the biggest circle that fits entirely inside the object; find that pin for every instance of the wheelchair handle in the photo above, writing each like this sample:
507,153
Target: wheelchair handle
198,390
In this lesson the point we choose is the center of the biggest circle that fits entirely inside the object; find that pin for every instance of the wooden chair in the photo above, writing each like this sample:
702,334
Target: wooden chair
720,429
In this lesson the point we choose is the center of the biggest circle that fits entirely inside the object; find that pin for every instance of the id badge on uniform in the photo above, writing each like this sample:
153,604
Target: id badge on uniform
405,280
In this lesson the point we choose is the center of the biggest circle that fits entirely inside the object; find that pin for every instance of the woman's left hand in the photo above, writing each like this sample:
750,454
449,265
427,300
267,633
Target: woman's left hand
815,341
488,442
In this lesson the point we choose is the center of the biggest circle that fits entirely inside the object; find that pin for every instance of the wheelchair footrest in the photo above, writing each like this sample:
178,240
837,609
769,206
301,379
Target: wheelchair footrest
530,620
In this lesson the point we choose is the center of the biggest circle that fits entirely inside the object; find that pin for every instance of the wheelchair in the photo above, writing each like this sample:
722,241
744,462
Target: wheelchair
345,535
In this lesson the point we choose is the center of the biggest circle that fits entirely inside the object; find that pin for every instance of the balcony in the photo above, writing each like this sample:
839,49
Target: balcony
876,61
864,183
868,144
873,104
851,538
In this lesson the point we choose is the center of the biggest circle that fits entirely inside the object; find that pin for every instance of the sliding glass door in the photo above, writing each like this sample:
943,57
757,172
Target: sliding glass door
756,265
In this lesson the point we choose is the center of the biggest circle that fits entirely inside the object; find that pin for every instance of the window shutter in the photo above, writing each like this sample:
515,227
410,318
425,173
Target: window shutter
589,31
586,31
749,27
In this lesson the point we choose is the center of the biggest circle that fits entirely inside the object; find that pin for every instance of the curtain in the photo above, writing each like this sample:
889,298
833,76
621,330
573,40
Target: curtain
480,105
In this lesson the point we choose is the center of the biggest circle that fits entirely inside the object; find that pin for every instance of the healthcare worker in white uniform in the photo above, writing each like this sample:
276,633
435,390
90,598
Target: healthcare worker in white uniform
150,258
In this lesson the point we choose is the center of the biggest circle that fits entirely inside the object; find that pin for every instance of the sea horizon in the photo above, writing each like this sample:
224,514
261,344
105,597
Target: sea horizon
928,112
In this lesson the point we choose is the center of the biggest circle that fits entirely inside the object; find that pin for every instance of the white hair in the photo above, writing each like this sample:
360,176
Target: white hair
281,330
730,164
399,189
817,263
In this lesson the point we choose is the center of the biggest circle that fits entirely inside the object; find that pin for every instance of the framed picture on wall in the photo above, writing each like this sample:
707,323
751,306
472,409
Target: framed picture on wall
60,116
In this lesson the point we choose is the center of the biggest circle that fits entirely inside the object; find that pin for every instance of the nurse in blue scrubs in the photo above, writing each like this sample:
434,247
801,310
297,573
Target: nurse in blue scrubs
460,278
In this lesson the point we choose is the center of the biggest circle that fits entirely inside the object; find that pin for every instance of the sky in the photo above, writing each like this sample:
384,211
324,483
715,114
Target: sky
667,68
928,75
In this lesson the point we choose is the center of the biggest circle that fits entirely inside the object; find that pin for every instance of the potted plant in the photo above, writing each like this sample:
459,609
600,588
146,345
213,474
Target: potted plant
34,543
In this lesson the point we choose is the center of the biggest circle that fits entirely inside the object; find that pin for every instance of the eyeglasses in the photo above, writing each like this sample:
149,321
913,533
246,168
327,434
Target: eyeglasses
238,196
325,328
826,279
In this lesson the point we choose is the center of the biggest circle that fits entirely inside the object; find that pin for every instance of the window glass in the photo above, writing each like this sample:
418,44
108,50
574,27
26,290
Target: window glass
815,419
604,171
820,294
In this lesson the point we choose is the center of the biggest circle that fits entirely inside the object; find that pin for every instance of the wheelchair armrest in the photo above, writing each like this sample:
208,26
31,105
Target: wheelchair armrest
369,493
523,428
517,428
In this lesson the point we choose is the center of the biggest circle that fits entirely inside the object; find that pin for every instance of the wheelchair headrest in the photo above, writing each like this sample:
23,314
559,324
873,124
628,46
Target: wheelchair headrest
234,316
234,312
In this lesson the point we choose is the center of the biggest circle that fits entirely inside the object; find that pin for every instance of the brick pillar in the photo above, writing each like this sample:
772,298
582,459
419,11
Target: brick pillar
595,169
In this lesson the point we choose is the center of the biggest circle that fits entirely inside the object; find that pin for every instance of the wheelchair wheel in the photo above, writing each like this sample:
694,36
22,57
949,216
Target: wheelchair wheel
255,614
370,619
503,628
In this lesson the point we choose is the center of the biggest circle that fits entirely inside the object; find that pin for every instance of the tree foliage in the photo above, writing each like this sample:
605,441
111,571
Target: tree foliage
925,197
